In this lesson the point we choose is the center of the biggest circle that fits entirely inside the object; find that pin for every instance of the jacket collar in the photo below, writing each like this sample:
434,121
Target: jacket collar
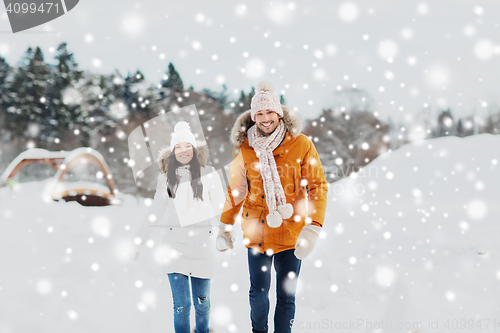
292,121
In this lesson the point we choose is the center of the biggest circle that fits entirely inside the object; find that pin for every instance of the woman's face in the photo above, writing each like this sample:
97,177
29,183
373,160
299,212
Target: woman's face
183,152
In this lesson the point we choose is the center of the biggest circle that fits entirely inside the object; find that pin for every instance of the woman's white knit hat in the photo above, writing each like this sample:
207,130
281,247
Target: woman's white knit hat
265,99
182,133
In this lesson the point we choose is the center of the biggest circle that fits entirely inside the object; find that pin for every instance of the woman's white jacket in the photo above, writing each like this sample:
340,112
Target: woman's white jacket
188,244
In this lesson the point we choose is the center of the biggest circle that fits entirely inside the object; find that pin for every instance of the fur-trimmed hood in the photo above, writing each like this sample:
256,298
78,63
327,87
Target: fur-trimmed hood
292,121
201,153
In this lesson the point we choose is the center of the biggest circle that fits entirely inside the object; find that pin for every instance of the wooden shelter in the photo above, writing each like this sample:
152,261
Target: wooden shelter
85,192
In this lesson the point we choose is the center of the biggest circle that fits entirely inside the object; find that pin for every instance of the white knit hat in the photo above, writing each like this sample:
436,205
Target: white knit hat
182,133
265,99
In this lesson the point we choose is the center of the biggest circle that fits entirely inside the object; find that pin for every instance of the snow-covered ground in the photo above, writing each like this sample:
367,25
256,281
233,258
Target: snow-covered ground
412,238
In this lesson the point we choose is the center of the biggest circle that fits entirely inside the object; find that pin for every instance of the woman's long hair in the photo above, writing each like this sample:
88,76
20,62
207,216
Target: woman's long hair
195,169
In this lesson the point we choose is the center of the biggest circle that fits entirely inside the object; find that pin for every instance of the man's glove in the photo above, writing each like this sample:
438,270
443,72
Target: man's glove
307,240
225,237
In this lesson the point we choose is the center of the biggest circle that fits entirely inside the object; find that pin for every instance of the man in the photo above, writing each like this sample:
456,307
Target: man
275,168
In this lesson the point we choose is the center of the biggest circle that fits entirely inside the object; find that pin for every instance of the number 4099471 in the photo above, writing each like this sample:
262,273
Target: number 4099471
32,7
471,324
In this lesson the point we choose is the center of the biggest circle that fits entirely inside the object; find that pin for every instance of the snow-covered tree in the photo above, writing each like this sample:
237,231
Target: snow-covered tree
64,99
243,102
349,135
492,124
445,124
221,97
138,94
350,99
465,126
29,91
172,81
5,98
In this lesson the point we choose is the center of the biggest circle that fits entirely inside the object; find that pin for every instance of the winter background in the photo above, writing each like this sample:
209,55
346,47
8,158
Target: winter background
398,97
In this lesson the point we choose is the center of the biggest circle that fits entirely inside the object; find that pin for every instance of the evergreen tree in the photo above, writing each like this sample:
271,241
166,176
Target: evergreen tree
138,95
19,114
5,100
240,105
341,135
63,95
29,89
492,124
250,96
5,72
129,95
173,81
243,103
445,124
67,67
282,100
221,97
92,118
460,128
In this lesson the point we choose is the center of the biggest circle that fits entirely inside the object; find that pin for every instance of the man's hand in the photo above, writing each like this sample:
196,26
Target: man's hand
306,241
225,237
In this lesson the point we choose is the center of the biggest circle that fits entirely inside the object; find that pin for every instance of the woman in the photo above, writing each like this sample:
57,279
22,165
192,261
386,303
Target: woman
193,192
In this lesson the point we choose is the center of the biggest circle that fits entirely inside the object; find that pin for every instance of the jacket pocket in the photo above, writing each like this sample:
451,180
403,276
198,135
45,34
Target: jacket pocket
290,231
250,220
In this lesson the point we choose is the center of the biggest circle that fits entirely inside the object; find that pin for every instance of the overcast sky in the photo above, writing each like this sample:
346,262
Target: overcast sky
405,54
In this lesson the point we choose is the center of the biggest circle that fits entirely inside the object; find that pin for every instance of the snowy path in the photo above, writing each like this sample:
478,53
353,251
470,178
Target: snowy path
393,253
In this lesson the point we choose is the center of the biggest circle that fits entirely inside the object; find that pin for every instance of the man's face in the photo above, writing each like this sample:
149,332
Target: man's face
267,121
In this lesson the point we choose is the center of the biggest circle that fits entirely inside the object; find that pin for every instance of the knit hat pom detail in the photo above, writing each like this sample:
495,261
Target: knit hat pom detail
182,133
265,86
265,99
274,219
285,210
181,125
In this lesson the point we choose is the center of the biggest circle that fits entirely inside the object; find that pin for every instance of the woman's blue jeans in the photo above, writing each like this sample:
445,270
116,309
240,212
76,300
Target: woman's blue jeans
181,294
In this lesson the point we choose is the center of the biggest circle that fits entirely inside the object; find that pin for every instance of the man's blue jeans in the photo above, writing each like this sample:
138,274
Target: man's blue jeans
181,295
287,268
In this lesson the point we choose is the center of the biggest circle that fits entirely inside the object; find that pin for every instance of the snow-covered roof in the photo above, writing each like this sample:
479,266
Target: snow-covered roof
83,151
31,154
67,157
